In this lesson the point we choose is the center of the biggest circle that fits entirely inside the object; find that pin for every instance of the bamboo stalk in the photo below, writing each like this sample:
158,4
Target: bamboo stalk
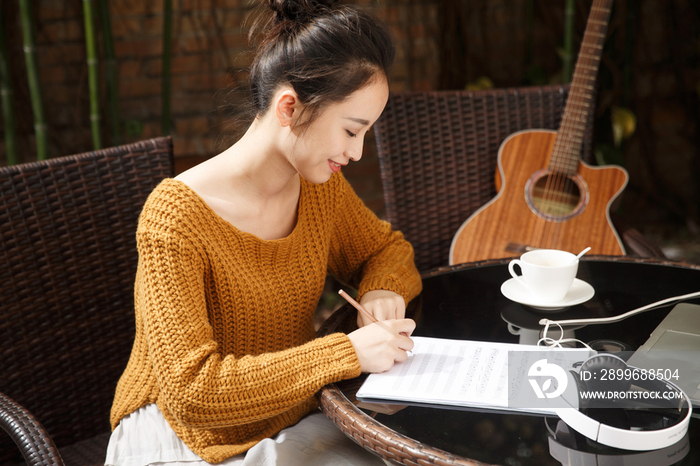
8,113
29,43
167,51
568,58
110,72
93,74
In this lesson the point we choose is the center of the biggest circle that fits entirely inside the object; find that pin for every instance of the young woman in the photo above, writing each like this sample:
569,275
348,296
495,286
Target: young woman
233,256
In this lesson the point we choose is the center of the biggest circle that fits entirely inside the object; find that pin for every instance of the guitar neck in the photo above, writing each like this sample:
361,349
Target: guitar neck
569,141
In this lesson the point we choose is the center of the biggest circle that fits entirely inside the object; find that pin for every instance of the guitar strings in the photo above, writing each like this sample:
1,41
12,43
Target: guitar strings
559,183
585,76
547,232
544,231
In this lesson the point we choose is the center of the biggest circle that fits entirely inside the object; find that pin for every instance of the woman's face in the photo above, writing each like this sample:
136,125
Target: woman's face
337,134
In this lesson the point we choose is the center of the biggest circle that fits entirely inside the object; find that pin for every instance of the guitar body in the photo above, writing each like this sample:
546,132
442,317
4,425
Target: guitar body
521,217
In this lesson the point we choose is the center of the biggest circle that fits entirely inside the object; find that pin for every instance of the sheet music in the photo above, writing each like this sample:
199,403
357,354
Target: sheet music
457,372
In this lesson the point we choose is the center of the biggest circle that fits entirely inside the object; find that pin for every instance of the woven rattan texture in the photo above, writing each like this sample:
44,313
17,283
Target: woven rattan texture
68,248
382,441
437,152
28,433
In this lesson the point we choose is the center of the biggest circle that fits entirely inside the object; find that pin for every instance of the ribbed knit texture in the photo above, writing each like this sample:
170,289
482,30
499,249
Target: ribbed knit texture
225,342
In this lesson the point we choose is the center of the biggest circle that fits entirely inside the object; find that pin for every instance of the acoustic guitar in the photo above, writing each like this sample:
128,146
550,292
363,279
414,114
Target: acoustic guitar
547,197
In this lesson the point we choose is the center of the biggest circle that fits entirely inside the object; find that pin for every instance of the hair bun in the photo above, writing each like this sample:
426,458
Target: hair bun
299,10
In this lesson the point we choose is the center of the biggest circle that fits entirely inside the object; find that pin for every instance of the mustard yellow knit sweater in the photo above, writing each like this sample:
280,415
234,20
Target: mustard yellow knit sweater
225,342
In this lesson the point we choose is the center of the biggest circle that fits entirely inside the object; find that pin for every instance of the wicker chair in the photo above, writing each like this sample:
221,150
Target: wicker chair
67,228
437,152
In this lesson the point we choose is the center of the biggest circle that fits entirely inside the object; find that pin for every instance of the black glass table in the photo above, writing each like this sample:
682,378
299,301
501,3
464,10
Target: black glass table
465,302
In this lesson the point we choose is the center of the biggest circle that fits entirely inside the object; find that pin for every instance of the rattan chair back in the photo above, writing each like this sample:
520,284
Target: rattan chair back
68,248
437,152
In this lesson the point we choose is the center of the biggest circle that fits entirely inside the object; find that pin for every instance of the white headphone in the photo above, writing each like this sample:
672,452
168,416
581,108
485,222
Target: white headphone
569,451
617,437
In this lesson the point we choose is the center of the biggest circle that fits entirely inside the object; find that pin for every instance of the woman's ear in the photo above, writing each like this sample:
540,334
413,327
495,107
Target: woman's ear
287,107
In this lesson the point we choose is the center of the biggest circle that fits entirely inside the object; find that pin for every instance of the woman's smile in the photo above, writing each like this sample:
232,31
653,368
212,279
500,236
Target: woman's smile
335,166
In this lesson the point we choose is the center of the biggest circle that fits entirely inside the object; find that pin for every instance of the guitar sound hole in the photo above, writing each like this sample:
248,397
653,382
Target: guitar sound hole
555,196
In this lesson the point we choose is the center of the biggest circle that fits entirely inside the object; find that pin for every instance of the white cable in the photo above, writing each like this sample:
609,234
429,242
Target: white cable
551,342
610,320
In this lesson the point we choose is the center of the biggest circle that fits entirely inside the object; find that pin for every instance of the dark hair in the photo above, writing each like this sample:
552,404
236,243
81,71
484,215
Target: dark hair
323,50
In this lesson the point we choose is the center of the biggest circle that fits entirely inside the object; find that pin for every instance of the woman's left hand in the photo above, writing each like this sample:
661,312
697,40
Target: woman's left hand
383,305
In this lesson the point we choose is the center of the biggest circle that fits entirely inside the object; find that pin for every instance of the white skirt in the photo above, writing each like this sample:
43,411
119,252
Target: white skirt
145,438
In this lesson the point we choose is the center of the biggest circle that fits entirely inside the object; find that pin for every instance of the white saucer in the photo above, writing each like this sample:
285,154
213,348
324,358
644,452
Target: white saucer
580,292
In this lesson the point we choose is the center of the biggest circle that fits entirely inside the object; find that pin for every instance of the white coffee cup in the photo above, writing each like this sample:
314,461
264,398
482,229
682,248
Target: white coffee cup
546,273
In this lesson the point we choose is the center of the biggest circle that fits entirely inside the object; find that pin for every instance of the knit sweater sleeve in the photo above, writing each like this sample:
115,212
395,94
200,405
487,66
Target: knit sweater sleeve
202,387
366,253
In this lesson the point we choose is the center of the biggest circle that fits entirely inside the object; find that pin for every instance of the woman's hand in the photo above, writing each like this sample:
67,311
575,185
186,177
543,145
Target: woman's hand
383,305
380,345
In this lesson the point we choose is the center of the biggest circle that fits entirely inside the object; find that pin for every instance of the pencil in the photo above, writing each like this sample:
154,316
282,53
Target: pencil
359,307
